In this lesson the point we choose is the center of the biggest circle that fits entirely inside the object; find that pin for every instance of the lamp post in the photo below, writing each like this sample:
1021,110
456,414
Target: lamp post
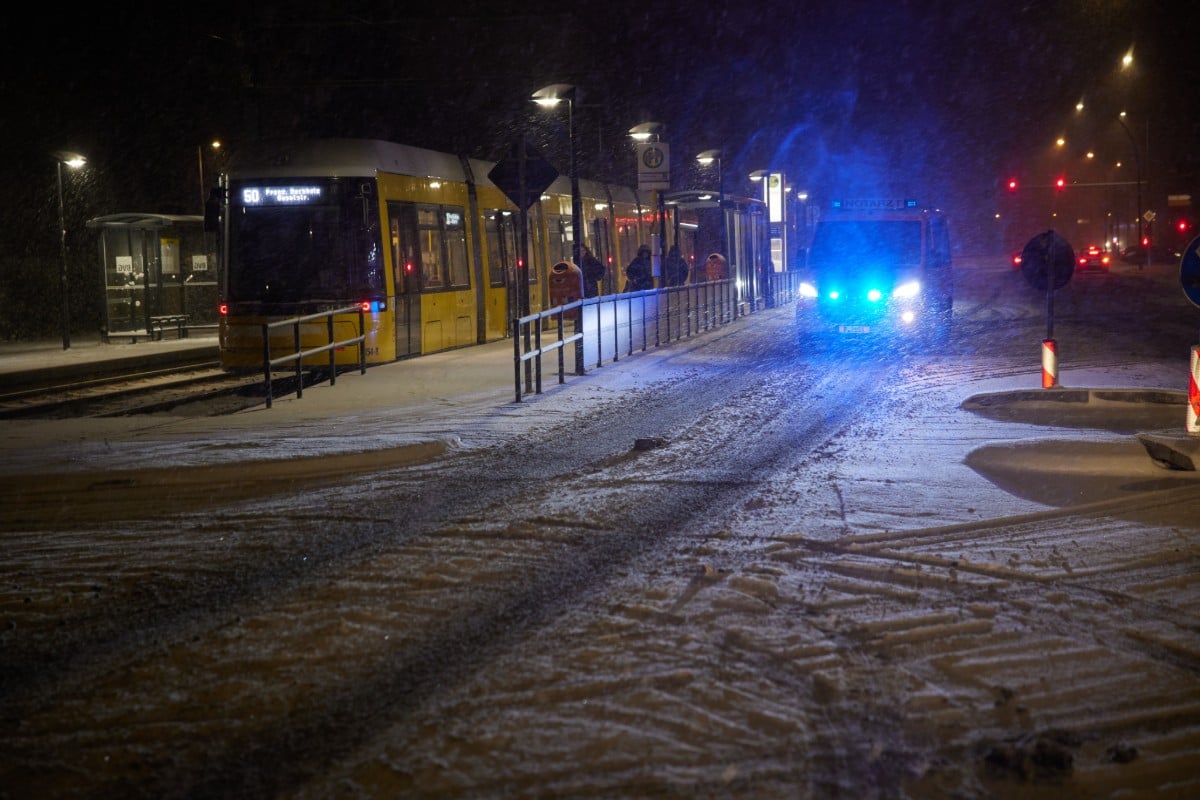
706,158
73,160
1137,166
216,145
549,96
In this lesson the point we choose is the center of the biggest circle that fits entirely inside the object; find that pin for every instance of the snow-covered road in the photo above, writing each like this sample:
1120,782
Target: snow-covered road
820,573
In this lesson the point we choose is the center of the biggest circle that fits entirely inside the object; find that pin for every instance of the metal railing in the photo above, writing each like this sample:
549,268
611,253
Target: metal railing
300,354
607,327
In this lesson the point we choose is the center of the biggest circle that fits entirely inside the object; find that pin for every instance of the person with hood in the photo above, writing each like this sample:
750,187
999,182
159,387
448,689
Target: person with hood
639,275
593,272
676,268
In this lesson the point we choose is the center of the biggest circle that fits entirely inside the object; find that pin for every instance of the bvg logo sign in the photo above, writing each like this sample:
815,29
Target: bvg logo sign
654,165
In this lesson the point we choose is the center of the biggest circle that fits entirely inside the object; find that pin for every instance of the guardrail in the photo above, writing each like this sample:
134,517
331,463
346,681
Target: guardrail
300,354
607,327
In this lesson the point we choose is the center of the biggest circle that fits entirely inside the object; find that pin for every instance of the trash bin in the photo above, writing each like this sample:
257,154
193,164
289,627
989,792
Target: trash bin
566,286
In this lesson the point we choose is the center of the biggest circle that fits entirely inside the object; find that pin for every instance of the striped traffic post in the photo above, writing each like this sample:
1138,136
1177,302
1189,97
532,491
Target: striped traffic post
1049,364
1193,409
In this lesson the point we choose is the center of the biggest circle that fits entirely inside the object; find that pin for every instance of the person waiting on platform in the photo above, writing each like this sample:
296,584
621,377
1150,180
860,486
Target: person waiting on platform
639,275
676,268
593,272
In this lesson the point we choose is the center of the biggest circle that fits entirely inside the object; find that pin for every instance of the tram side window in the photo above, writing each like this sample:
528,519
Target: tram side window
501,245
559,229
455,236
430,235
443,237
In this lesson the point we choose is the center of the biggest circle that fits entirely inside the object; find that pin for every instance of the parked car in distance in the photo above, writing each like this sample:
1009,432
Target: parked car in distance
1158,255
1092,257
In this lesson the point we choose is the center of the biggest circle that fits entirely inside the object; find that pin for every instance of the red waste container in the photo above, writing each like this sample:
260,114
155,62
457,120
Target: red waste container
566,285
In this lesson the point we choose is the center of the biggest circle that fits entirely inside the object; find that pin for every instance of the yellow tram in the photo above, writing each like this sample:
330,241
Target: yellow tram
422,241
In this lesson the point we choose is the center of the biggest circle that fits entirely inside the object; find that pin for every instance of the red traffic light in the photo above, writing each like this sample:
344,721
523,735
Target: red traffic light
1182,225
1012,184
1060,183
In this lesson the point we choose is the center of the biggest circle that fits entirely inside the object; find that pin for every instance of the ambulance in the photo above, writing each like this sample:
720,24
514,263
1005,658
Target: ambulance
878,266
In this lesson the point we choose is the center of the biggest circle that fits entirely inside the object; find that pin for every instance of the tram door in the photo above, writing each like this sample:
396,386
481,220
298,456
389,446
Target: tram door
406,262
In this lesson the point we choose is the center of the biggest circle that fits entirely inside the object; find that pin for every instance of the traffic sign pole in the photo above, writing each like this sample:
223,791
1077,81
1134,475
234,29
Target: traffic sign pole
1049,364
1193,405
1047,262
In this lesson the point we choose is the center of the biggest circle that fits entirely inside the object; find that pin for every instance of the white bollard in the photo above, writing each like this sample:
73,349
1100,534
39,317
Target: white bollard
1193,409
1049,364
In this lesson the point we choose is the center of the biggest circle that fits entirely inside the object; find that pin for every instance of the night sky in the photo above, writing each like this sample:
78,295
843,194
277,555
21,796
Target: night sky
936,100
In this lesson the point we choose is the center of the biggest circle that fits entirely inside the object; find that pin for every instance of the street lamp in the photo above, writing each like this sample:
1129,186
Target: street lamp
216,146
645,131
706,158
75,161
549,96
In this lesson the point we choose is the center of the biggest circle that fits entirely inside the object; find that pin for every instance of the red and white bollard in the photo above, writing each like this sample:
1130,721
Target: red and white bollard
1049,364
1193,409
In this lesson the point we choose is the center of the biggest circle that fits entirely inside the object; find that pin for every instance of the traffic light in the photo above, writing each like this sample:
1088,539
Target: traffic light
1012,184
1060,183
1182,226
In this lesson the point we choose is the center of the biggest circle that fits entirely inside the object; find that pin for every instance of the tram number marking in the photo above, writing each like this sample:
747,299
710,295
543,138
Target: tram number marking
372,351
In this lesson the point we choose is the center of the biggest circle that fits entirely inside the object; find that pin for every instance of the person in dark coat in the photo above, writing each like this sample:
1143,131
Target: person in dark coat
593,272
676,268
639,274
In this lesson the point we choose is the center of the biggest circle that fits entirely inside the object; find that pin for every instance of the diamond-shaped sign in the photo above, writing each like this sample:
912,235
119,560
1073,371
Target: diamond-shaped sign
539,174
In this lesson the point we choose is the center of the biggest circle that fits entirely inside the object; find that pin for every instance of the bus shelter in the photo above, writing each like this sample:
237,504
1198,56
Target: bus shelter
158,273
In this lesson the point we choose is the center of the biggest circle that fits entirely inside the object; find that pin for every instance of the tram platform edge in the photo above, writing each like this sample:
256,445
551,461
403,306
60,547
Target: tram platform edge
29,363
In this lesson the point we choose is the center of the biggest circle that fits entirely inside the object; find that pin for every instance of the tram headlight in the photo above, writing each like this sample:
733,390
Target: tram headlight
807,289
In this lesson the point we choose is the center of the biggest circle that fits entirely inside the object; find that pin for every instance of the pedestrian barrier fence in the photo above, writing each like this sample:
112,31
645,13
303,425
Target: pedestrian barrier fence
605,328
330,346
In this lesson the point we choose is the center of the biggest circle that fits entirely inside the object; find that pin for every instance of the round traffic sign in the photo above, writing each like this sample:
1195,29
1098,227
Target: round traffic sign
1189,271
1047,261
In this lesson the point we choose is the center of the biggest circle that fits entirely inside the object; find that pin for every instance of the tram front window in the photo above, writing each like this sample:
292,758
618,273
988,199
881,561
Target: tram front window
303,252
